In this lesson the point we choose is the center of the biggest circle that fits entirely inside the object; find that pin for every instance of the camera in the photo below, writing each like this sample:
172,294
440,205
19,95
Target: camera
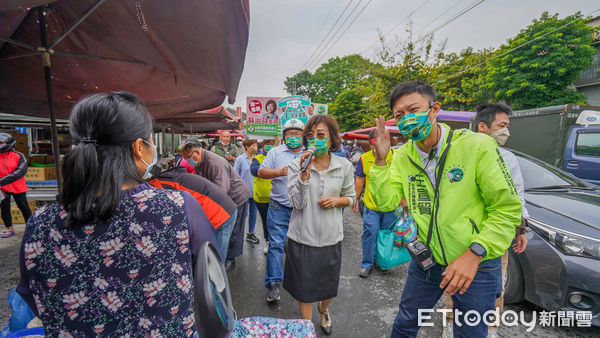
421,254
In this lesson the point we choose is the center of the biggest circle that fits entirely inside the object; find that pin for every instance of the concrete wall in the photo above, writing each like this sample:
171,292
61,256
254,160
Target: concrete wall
592,94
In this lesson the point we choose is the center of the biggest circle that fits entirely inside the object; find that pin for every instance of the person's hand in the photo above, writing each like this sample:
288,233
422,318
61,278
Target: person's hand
382,141
403,204
283,171
460,273
355,206
328,202
230,158
520,243
304,175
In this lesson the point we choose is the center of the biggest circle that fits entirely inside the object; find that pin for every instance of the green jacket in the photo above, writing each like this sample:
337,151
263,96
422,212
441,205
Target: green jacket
477,198
219,150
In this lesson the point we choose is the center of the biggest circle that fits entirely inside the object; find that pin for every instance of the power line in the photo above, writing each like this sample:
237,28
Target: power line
398,25
320,55
495,57
511,50
439,16
463,12
326,35
322,26
345,30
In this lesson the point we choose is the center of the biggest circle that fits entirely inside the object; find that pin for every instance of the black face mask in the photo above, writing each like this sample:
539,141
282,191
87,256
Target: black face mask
8,146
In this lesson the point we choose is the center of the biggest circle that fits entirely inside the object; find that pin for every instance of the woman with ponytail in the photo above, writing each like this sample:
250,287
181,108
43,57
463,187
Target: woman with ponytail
113,255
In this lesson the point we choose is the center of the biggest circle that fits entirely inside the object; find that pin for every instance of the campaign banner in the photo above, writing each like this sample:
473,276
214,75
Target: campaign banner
294,107
316,109
263,116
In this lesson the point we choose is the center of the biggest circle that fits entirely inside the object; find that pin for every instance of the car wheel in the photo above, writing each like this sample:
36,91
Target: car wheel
514,288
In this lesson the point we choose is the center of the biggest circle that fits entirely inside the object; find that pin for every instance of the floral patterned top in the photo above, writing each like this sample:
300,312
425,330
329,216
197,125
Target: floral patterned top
128,276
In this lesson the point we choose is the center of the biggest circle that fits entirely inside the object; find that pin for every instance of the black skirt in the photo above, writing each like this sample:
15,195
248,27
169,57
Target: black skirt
312,274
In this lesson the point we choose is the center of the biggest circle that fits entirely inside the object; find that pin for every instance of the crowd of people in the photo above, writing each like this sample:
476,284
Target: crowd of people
115,253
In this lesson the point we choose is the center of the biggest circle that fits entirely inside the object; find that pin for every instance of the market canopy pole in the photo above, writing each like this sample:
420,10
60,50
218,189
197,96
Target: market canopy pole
53,130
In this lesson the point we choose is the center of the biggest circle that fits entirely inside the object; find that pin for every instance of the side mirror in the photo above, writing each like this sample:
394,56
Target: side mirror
212,300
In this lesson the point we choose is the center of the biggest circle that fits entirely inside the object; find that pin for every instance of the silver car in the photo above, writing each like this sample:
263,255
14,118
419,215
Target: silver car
560,269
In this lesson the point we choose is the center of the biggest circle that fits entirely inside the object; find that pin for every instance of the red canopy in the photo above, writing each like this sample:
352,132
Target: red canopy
178,56
202,121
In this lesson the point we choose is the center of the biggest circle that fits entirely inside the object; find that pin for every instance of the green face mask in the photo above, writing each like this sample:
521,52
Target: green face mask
319,144
268,147
293,142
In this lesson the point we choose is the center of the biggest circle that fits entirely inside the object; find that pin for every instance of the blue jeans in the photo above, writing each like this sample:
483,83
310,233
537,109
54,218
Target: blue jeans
251,215
420,293
373,221
224,233
236,241
278,221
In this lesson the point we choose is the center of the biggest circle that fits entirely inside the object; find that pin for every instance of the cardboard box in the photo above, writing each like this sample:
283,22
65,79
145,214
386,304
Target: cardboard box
63,137
20,138
41,159
17,216
40,174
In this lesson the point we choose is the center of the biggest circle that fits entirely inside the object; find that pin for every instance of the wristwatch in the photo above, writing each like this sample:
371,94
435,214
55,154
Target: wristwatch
478,249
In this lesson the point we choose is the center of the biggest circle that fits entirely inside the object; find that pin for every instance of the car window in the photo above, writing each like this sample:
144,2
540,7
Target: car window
588,144
536,175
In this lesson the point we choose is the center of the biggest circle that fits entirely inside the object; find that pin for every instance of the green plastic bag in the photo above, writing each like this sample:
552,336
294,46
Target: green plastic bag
389,254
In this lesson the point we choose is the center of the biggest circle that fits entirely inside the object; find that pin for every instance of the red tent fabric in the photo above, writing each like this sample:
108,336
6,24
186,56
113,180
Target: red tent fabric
179,56
202,121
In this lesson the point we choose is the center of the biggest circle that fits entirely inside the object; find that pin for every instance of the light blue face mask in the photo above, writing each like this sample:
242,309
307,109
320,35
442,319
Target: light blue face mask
191,161
154,161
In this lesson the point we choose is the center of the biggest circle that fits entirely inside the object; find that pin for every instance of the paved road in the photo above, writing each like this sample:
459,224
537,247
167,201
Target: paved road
363,308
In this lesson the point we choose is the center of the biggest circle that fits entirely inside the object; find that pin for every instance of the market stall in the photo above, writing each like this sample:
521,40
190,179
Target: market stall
54,52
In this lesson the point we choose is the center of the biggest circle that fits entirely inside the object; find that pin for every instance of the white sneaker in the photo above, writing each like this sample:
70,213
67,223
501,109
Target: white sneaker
266,248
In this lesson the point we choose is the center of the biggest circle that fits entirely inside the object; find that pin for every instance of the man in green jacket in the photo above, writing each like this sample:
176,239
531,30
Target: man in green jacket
225,148
461,195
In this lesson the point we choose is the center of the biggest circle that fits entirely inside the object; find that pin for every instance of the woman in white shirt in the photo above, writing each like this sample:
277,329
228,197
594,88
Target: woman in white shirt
314,246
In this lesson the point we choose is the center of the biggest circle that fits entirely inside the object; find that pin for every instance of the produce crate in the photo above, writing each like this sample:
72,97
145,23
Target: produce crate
40,174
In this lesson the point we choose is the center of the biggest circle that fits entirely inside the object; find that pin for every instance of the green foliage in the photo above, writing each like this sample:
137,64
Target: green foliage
540,73
332,77
349,108
462,83
402,61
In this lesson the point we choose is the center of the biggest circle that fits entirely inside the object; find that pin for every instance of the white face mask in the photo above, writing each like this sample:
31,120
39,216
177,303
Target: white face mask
501,135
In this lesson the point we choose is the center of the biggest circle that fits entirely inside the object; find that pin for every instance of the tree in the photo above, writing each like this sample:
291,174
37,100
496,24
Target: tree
539,73
331,78
402,61
461,83
349,108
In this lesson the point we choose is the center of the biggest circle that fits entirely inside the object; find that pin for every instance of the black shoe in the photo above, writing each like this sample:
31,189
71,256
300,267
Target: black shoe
364,273
229,264
273,292
382,271
326,324
250,237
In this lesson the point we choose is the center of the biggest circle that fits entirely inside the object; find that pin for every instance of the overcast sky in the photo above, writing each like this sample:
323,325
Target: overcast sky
284,33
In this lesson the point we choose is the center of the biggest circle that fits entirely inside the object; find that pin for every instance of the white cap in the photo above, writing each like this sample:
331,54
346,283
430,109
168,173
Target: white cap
292,124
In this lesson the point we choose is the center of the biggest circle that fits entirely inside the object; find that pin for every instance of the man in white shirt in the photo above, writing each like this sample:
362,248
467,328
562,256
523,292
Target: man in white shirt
493,119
